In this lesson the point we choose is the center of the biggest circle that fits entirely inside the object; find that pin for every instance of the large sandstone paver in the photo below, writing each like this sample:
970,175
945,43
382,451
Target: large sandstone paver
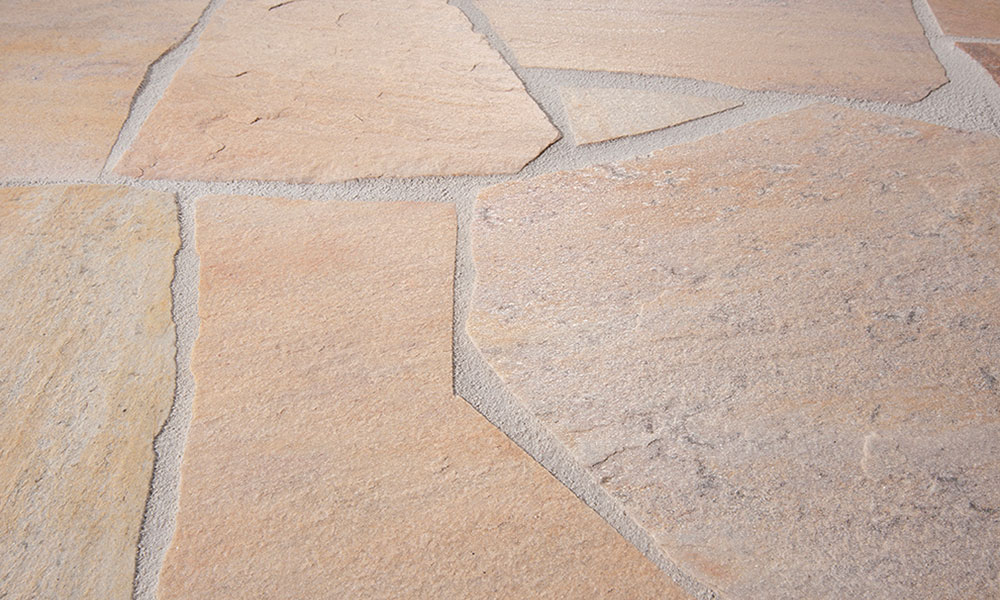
68,71
777,346
850,48
313,91
86,380
970,18
987,55
599,114
327,456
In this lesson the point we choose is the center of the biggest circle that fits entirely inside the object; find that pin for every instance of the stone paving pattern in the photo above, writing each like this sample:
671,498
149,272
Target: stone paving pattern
757,354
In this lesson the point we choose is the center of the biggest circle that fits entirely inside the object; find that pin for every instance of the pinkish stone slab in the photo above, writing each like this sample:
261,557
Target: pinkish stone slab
987,55
969,18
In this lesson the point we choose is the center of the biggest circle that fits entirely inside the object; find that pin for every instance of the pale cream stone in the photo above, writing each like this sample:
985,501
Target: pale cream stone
319,91
970,18
850,48
778,347
988,55
86,380
327,456
599,114
68,72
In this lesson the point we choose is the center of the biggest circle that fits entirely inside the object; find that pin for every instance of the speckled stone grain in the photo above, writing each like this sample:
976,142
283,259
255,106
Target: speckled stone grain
777,347
968,18
86,381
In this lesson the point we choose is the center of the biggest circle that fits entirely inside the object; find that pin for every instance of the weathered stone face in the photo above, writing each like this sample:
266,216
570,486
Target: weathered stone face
969,18
850,48
318,92
86,380
987,55
327,455
777,346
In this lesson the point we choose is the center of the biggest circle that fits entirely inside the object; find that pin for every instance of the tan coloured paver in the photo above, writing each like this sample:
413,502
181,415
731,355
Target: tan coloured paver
969,18
777,347
316,92
86,380
68,72
850,48
327,456
987,55
599,114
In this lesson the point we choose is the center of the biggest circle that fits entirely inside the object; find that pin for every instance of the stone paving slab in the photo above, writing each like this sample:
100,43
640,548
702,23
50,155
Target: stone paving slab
68,72
987,55
849,48
328,457
968,18
777,346
86,381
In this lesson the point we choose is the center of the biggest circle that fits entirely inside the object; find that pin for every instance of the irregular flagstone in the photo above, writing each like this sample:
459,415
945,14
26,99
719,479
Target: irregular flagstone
68,72
599,114
851,48
987,55
327,456
970,18
778,347
316,92
86,381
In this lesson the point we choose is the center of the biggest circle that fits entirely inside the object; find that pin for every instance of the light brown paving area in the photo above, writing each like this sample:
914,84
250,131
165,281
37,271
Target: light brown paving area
68,72
599,114
328,457
849,48
778,347
987,55
86,380
315,92
968,18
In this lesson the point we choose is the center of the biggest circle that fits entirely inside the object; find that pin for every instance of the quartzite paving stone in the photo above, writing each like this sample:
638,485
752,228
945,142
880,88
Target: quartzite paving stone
970,18
327,456
599,114
779,347
86,380
852,48
316,92
987,55
68,71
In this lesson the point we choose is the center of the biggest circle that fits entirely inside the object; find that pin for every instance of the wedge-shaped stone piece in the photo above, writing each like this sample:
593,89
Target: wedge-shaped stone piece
599,114
316,91
851,48
68,71
987,55
86,380
777,346
327,457
970,18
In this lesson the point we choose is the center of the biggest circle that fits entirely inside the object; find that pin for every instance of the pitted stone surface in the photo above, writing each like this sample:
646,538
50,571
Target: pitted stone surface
68,71
328,457
778,347
850,48
599,114
987,55
968,18
86,380
315,92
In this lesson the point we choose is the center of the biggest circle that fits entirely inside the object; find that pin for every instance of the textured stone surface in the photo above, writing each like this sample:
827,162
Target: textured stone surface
777,346
315,91
851,48
970,18
327,456
68,71
987,55
86,380
599,114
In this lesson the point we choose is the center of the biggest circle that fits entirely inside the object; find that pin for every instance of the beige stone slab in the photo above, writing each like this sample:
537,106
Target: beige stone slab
850,48
327,456
86,380
68,72
315,92
778,347
987,55
599,114
970,18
